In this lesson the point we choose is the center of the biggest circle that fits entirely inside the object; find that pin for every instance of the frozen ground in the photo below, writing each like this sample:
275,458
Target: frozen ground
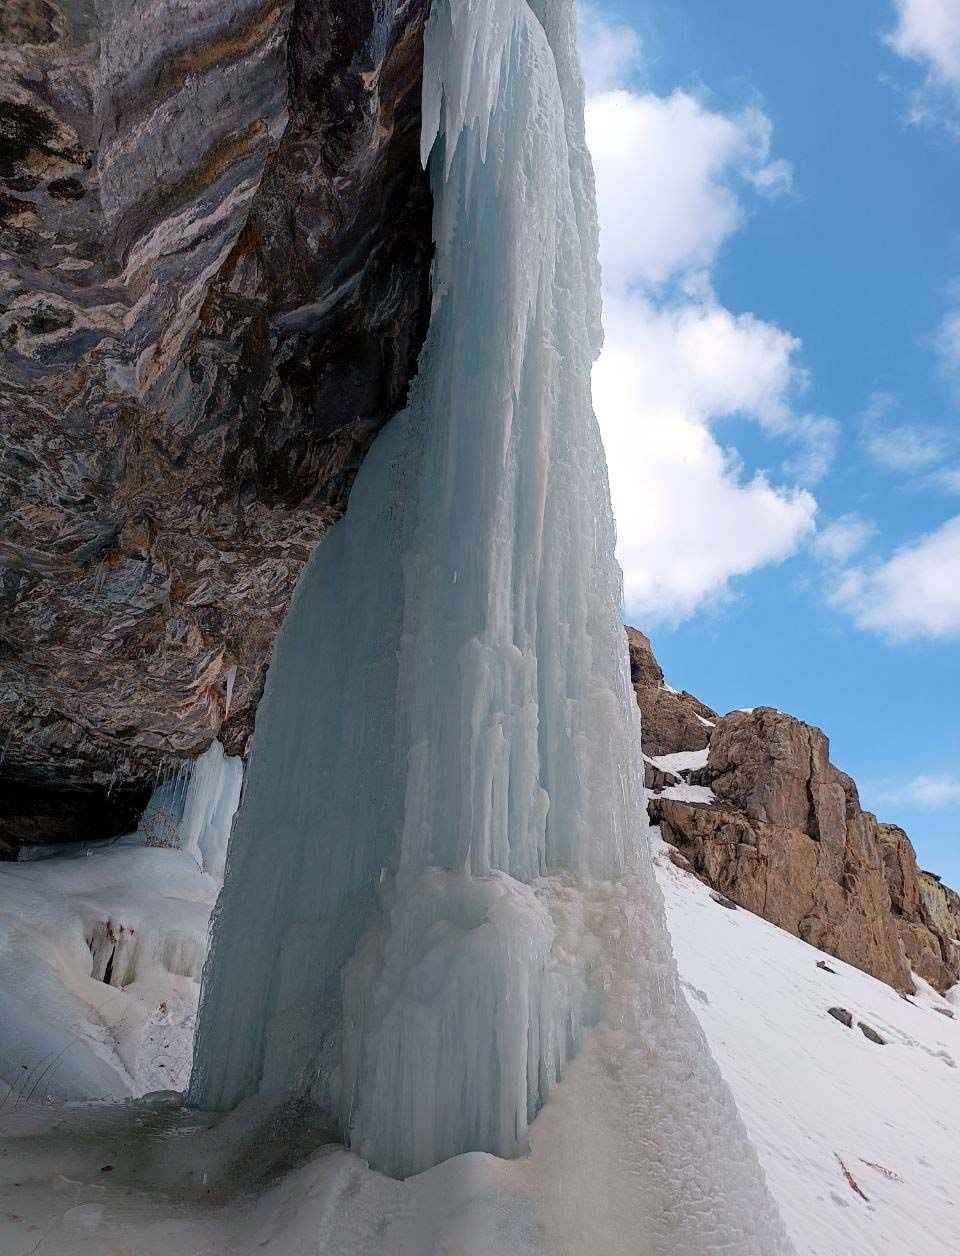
100,959
102,945
858,1140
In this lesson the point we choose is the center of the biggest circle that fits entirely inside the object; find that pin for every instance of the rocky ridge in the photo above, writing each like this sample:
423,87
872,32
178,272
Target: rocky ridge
771,824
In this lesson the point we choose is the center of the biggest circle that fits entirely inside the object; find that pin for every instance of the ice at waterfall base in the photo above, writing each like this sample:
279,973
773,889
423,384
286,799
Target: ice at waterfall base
820,1102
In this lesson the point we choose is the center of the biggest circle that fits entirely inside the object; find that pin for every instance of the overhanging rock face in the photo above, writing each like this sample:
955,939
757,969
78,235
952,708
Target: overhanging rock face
216,248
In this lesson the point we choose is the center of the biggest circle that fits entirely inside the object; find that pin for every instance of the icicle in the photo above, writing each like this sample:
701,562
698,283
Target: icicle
231,678
438,883
211,798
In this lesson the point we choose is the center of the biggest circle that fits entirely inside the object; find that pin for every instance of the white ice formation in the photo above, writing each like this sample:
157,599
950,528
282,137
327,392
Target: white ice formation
102,945
438,888
211,802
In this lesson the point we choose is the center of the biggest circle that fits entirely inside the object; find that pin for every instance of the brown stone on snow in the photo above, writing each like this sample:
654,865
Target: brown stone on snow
842,1015
869,1032
787,837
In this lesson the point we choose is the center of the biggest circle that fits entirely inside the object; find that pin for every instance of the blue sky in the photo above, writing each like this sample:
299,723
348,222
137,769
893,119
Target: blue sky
780,393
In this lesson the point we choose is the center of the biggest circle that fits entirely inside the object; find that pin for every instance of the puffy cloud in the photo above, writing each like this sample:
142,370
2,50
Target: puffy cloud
665,171
913,594
688,520
670,176
842,538
928,33
609,51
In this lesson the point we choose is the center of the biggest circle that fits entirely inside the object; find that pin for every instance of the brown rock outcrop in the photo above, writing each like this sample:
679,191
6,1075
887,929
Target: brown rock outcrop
926,913
672,720
777,770
791,879
788,839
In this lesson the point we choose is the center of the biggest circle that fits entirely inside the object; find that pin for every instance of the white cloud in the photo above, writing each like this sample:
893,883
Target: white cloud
842,538
928,33
929,789
906,446
914,594
665,170
671,173
818,438
935,790
608,51
688,520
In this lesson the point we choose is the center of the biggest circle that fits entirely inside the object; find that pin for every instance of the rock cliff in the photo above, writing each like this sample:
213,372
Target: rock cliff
781,832
215,256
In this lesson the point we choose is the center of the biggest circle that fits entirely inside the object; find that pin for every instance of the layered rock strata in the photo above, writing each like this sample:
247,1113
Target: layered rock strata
215,241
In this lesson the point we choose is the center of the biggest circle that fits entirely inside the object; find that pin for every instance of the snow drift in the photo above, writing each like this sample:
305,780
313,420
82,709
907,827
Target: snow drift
102,945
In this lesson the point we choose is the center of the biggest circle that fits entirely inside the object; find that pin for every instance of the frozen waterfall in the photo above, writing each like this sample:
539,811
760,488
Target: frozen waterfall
211,802
438,888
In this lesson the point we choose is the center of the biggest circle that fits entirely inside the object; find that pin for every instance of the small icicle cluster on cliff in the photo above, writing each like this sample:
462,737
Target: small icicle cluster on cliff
438,888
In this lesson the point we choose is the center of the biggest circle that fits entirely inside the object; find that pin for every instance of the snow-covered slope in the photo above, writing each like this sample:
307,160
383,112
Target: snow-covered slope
859,1141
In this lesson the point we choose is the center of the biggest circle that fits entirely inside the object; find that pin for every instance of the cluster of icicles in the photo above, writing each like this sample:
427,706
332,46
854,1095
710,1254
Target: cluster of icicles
438,886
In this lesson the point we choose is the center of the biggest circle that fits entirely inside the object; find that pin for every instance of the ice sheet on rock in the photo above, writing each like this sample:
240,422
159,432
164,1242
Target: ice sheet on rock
685,792
448,689
460,961
445,795
211,802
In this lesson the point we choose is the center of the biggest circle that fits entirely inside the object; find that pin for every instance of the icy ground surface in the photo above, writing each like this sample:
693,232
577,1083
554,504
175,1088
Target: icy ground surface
820,1101
102,946
64,1029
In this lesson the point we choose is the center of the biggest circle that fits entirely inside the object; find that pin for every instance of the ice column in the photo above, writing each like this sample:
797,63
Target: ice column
212,798
448,731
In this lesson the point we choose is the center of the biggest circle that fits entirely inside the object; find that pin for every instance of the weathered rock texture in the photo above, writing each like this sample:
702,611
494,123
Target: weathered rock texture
788,839
215,244
926,913
672,721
